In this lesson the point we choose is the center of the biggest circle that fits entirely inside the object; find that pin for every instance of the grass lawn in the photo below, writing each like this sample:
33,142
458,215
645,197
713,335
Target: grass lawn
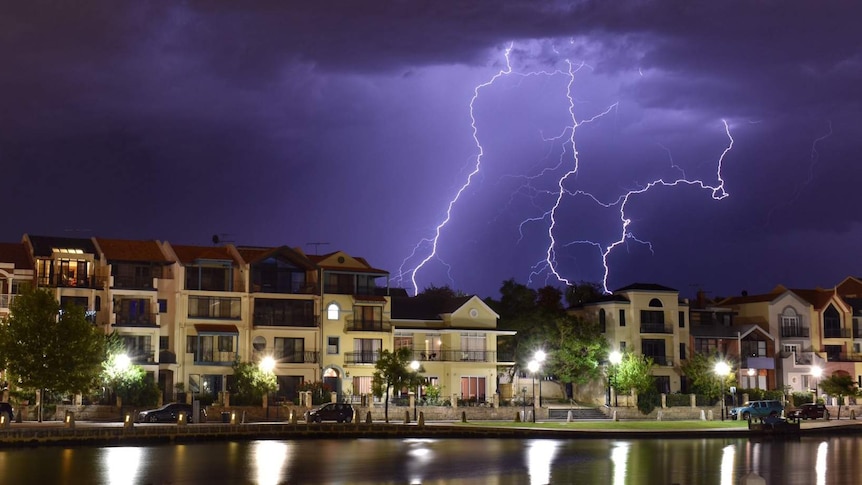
608,425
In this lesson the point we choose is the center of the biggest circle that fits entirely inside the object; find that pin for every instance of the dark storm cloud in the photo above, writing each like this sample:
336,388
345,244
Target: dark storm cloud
165,108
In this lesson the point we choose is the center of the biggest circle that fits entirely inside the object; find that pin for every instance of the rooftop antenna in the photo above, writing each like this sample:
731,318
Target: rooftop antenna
317,246
219,238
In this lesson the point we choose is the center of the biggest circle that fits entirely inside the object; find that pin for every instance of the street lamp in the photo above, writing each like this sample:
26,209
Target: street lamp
415,365
539,357
614,358
533,367
524,402
267,365
816,372
722,370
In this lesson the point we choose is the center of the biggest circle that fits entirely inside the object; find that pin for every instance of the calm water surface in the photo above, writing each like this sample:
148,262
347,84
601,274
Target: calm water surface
807,461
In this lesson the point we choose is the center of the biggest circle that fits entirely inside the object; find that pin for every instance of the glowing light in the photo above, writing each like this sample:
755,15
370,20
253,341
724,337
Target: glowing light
820,463
728,454
551,215
615,357
619,459
267,364
122,464
269,459
540,456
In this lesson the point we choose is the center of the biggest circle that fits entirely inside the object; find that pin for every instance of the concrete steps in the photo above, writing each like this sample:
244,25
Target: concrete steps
577,413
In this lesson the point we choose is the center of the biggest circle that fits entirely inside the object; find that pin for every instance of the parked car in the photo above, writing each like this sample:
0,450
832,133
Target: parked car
756,409
810,411
334,411
169,413
6,408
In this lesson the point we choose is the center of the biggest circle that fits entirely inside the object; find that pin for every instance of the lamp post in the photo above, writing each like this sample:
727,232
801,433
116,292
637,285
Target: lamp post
816,372
722,370
539,357
533,367
524,402
267,365
614,358
415,365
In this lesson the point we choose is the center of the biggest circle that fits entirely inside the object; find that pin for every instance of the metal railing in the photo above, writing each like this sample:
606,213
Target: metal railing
794,332
361,357
136,320
455,355
217,357
836,333
305,357
368,326
656,328
663,360
215,307
124,282
65,281
141,355
6,301
269,320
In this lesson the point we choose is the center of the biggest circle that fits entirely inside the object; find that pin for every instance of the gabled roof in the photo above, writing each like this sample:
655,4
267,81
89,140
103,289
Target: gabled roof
727,332
850,287
190,254
818,298
645,287
43,246
17,254
253,255
425,307
740,300
341,261
126,250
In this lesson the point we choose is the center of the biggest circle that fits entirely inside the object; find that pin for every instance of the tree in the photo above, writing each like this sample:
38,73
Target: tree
251,383
634,372
839,385
583,292
392,370
575,350
700,372
126,380
45,348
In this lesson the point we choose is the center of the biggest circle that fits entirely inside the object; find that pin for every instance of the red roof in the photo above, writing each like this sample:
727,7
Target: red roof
189,254
17,254
125,250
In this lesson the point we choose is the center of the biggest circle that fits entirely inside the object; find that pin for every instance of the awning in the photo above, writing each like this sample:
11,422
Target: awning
215,329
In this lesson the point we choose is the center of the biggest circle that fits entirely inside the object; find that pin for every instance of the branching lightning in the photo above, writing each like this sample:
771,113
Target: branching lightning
569,157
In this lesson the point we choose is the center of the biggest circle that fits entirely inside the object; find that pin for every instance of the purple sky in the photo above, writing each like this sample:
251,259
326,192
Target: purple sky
349,122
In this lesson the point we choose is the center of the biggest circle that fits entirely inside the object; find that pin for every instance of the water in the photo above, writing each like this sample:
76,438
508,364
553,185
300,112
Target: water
721,461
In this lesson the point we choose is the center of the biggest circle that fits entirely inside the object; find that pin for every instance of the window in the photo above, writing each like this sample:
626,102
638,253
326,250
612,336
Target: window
209,278
754,348
163,306
602,321
622,347
192,344
652,317
212,307
472,347
362,385
164,343
284,312
791,348
473,388
682,351
332,345
654,348
367,317
705,345
832,323
225,343
622,318
332,311
655,303
681,319
290,350
367,350
403,340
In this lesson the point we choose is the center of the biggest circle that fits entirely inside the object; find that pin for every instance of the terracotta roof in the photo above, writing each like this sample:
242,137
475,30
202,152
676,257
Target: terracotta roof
17,254
125,250
189,254
645,287
252,255
818,298
738,300
851,287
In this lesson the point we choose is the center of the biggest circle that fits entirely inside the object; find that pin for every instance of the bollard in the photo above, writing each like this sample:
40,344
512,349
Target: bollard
69,422
658,416
368,418
292,416
4,420
406,417
853,414
233,417
517,416
463,416
128,422
569,416
702,415
243,417
182,419
421,418
615,415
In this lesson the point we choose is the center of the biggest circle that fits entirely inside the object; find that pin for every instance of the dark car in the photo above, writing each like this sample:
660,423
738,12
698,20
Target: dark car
169,413
810,411
334,411
6,409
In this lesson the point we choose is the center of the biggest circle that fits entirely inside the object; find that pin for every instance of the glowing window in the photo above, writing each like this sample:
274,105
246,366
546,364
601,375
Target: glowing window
332,311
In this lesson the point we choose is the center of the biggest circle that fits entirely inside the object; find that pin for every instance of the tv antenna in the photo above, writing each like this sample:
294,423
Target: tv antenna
317,246
219,238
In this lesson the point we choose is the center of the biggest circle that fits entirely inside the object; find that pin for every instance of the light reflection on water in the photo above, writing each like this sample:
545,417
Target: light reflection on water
714,461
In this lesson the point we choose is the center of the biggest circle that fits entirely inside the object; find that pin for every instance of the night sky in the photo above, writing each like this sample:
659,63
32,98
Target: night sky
349,123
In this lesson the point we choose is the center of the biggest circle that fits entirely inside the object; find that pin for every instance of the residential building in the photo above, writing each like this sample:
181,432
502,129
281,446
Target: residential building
16,269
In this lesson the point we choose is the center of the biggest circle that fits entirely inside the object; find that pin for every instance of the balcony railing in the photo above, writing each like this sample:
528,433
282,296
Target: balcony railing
136,320
141,355
368,326
306,357
662,360
62,281
268,320
656,328
6,301
857,332
799,332
133,283
361,357
455,355
215,307
215,357
836,333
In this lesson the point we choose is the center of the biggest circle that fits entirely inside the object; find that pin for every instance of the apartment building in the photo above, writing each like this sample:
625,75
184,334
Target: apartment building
455,342
649,320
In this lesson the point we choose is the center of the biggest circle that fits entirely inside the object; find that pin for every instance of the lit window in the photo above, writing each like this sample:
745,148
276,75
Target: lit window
332,311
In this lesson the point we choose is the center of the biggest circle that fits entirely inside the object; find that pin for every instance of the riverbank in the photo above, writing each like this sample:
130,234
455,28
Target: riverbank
118,434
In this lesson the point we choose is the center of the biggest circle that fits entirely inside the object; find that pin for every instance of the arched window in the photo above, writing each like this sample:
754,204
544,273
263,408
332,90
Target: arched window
332,311
602,319
832,323
655,303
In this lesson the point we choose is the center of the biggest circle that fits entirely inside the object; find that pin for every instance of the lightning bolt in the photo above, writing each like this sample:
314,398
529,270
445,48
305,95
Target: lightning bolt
571,157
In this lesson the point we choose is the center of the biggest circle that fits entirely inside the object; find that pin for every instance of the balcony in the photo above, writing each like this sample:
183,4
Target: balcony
794,332
368,326
656,328
215,357
455,355
126,282
269,320
305,357
361,357
141,355
65,281
836,333
6,301
215,308
136,320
